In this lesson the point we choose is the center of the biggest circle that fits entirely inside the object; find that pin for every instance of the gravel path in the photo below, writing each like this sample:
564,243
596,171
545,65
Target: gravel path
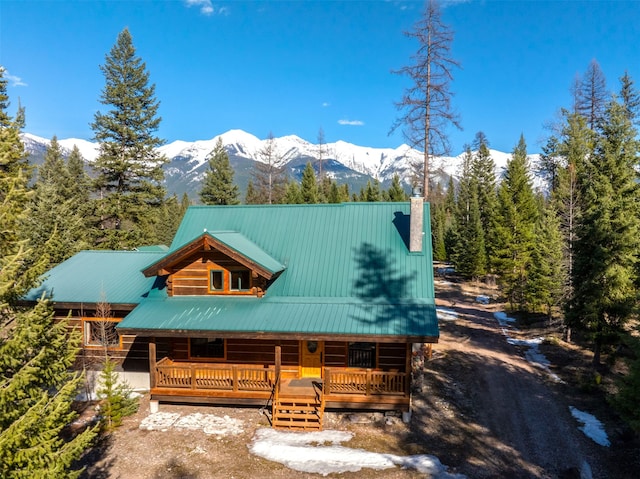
512,418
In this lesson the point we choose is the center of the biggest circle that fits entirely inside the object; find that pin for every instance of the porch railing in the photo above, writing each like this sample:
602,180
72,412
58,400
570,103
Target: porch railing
365,382
238,377
170,374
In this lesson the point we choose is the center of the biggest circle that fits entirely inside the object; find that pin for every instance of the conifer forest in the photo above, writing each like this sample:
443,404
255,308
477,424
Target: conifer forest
567,254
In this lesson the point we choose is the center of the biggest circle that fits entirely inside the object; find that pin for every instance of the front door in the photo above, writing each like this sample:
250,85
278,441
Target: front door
311,360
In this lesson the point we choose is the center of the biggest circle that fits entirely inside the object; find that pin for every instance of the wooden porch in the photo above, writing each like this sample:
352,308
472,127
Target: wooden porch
223,383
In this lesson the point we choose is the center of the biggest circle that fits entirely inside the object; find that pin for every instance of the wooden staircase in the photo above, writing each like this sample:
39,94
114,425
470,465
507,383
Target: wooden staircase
298,408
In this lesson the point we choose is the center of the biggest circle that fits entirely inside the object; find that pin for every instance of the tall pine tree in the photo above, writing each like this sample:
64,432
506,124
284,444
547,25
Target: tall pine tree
56,220
514,227
36,389
129,168
218,187
607,240
469,254
309,186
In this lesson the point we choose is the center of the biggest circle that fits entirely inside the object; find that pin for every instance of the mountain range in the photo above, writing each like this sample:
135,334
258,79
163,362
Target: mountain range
342,161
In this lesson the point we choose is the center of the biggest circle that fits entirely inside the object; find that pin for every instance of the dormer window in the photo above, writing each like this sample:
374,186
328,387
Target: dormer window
240,280
225,281
216,280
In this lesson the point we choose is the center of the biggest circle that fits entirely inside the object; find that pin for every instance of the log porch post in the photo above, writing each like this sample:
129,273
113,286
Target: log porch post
152,362
278,364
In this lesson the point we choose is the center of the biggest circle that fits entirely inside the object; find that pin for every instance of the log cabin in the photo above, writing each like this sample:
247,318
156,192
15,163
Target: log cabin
296,307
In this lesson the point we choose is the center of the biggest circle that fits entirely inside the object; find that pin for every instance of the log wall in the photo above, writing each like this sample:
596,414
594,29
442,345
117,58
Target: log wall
191,276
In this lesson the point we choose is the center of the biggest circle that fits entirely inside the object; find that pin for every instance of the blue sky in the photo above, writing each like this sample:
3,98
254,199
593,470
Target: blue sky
296,67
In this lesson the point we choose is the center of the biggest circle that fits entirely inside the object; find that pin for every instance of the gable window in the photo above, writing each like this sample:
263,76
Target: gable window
216,280
206,348
101,333
240,280
362,355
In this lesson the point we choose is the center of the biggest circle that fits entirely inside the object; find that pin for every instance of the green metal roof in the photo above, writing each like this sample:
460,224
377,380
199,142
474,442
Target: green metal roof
328,250
155,247
309,317
348,272
85,277
247,248
238,243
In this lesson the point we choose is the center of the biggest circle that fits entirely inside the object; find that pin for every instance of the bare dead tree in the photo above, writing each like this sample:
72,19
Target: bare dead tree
591,95
270,173
425,107
104,328
322,153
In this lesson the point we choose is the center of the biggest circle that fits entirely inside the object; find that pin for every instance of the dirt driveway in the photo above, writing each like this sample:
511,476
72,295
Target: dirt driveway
481,408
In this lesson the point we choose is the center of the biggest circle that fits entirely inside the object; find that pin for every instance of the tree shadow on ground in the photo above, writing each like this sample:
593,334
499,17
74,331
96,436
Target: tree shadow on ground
96,461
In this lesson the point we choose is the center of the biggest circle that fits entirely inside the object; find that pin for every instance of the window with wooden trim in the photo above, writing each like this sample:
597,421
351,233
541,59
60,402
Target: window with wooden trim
101,333
207,348
240,280
223,281
362,355
216,280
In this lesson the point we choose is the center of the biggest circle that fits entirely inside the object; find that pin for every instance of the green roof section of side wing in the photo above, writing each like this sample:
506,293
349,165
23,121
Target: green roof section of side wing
93,276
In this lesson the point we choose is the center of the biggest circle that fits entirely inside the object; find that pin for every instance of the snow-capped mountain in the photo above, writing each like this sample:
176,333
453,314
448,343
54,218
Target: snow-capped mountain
345,162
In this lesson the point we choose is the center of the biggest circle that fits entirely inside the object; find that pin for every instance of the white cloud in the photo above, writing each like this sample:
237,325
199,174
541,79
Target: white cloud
325,104
351,122
13,79
205,6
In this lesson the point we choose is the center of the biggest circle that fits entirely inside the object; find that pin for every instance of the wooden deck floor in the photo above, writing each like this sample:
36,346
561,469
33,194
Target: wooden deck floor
303,387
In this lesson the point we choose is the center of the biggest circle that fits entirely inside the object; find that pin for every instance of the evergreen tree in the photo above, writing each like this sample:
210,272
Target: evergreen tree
36,396
309,187
36,388
56,216
608,236
252,197
514,226
574,149
449,208
371,193
17,261
630,98
469,254
345,196
547,276
218,187
293,195
396,192
170,218
324,189
129,167
483,170
116,398
334,195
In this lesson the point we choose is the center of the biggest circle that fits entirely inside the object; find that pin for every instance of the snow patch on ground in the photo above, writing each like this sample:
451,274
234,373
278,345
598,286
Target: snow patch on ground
482,299
591,427
503,319
207,423
321,453
445,314
532,353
